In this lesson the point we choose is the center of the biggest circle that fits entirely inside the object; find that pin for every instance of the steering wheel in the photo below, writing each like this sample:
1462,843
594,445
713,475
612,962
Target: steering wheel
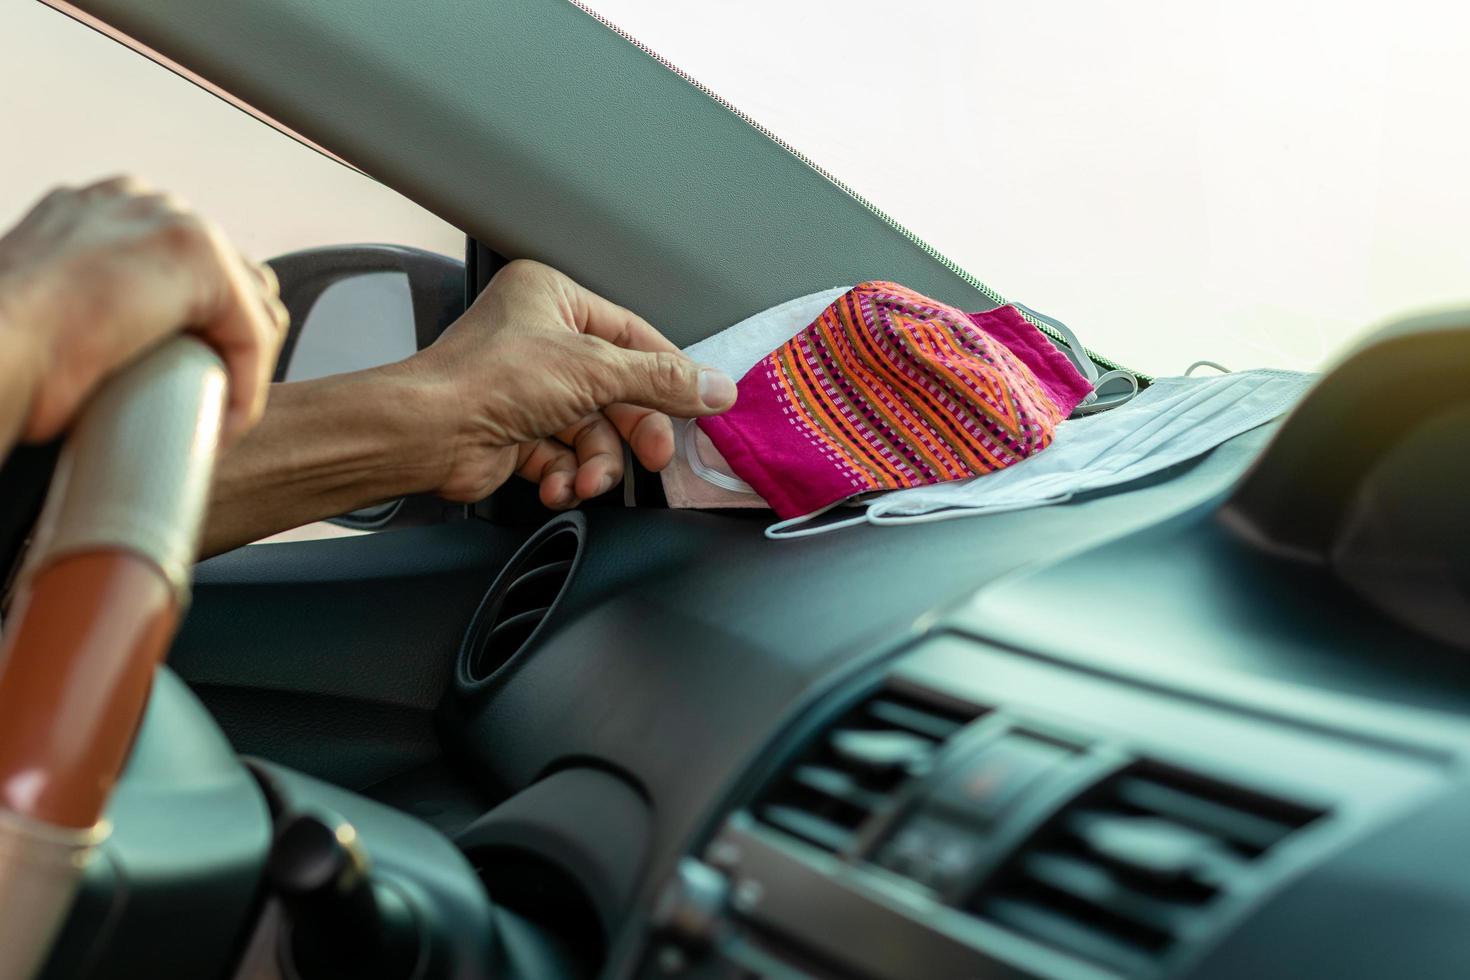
99,598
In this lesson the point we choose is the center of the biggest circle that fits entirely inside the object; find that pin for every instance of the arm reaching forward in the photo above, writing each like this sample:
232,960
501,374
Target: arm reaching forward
540,378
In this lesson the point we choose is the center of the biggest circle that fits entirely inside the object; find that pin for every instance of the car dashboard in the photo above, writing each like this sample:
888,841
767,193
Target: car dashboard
978,810
1101,739
1073,743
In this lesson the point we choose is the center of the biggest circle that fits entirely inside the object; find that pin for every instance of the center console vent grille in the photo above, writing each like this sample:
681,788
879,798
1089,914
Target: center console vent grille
521,599
1130,869
855,768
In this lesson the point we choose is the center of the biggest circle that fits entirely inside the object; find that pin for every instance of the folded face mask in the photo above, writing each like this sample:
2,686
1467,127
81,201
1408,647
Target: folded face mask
887,389
698,476
1173,420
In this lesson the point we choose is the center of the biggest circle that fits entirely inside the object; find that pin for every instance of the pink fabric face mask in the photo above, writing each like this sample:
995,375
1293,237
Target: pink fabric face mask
887,389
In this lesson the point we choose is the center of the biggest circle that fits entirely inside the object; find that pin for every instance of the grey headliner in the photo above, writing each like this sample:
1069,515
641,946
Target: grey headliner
544,134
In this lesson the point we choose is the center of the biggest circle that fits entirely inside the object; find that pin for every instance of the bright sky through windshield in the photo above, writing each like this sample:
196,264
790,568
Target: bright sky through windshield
1252,182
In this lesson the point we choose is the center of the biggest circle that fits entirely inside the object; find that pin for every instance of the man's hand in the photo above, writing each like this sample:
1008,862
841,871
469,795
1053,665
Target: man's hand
543,378
539,377
90,278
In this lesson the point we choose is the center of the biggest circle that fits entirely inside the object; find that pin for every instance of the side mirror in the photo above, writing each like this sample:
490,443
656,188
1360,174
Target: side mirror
427,286
357,306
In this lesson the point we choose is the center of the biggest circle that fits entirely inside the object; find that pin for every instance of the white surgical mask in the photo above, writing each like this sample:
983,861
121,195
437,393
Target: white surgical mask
1171,421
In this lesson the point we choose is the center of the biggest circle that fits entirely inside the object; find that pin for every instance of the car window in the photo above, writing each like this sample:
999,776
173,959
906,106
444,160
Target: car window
1251,182
78,106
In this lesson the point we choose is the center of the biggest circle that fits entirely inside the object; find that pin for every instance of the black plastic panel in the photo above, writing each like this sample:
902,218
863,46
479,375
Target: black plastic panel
1277,800
1393,906
586,823
1189,602
524,595
1297,498
686,641
332,656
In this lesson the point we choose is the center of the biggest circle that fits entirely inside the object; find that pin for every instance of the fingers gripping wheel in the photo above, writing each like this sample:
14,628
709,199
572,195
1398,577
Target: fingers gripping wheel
99,599
136,470
523,597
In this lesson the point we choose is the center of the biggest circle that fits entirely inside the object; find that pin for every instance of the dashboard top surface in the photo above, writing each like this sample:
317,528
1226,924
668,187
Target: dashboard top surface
686,641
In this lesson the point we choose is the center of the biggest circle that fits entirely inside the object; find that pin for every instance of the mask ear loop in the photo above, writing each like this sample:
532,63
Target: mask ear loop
1091,406
1078,355
783,530
1189,371
704,471
779,531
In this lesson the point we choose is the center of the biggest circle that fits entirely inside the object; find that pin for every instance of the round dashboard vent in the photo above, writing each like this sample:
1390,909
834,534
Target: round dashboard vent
524,594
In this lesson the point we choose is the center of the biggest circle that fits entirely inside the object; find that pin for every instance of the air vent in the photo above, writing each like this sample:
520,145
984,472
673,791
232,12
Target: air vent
523,595
857,767
1135,867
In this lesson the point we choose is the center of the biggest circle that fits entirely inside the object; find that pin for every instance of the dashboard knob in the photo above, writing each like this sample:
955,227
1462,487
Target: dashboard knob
339,918
690,910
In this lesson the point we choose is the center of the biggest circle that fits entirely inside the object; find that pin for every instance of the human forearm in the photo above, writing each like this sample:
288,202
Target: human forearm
539,378
330,446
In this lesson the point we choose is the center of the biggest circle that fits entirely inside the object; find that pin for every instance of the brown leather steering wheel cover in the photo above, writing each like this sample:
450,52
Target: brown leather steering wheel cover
104,581
101,590
95,626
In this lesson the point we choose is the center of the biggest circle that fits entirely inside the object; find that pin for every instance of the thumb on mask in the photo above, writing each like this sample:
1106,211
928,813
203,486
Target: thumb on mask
665,381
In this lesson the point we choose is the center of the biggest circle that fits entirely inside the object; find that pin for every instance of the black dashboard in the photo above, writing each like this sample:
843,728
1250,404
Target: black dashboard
978,811
1107,739
1067,772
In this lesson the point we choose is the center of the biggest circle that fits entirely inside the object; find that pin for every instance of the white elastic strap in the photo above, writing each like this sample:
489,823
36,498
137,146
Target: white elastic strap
1209,364
702,470
781,530
1091,406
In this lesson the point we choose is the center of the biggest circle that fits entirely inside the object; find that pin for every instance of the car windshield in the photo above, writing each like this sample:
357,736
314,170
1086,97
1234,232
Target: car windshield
1254,182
